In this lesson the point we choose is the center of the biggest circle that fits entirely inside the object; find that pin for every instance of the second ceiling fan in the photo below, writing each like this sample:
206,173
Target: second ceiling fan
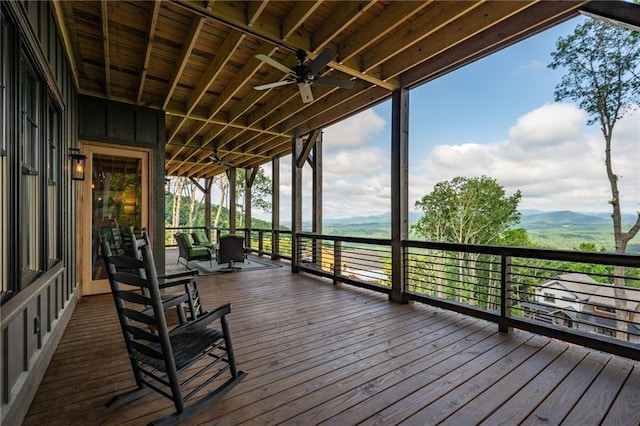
305,75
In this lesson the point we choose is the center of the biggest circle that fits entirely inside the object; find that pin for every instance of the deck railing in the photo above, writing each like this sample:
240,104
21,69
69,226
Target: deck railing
591,299
264,242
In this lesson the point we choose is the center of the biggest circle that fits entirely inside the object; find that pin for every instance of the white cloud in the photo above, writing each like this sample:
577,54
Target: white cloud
533,65
551,157
353,132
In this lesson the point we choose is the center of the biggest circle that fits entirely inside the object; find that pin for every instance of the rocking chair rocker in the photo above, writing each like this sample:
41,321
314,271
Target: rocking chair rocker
161,358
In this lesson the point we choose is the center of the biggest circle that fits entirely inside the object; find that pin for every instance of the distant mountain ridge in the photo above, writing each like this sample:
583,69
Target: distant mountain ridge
529,218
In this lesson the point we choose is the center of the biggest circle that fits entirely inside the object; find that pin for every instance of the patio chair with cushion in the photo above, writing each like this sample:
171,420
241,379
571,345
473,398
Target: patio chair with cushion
161,358
200,239
189,252
231,250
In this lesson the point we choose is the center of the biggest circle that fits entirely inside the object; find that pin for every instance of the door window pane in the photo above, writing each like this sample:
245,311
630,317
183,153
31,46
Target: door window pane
116,206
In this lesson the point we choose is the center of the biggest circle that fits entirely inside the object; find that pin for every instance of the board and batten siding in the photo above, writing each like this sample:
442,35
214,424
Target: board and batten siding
34,319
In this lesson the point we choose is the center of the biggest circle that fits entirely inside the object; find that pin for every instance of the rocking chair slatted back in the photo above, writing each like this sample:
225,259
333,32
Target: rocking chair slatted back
160,357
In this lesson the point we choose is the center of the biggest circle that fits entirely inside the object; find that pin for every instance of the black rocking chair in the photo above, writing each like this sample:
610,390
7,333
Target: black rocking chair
161,358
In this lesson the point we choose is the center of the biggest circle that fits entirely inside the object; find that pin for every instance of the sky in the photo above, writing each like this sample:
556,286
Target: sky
496,117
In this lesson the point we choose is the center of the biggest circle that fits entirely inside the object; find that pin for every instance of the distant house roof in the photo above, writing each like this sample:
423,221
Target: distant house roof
588,290
581,285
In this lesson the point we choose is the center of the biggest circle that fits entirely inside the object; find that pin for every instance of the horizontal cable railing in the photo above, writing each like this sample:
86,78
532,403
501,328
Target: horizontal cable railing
364,262
592,299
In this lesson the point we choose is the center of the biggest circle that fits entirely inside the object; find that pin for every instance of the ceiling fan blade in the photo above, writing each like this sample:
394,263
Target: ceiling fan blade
326,81
321,61
274,84
274,63
305,92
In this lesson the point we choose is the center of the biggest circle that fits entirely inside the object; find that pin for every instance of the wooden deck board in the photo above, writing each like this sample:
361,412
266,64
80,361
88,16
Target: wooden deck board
316,353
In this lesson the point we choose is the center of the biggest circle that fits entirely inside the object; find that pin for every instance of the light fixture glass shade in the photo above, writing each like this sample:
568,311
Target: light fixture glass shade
77,164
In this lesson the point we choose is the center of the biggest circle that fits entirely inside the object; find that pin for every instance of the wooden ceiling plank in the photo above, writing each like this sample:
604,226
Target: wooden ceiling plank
185,53
220,59
105,43
390,18
239,80
296,16
221,121
348,13
222,56
435,16
151,29
536,18
484,17
66,23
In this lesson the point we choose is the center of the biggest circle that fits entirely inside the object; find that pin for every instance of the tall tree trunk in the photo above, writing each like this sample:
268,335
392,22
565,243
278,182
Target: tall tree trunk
177,201
223,191
621,239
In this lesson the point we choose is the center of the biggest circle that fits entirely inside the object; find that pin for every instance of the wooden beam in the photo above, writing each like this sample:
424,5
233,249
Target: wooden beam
151,30
254,9
185,53
296,16
105,44
434,16
460,30
67,26
307,146
269,30
346,14
220,59
614,12
389,19
536,18
239,80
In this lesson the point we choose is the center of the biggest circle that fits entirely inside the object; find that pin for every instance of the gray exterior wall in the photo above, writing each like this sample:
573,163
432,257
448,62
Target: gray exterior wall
125,125
34,319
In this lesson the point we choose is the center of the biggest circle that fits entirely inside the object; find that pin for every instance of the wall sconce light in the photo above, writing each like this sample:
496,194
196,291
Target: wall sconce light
77,164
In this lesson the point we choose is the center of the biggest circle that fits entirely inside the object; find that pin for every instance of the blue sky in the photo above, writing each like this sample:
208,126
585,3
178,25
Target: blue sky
496,117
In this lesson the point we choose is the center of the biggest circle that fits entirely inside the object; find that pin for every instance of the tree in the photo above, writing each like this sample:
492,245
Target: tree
472,211
603,77
468,210
261,191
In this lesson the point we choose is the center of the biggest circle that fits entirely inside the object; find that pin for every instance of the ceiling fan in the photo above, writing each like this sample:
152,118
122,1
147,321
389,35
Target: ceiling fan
305,75
215,159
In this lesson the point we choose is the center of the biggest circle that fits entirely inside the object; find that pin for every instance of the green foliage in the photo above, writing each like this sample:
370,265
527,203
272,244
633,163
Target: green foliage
603,70
468,210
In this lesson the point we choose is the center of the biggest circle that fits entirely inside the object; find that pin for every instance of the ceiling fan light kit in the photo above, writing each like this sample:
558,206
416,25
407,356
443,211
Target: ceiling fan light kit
305,75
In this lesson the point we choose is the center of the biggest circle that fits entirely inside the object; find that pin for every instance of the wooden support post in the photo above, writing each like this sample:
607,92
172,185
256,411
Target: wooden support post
316,165
207,206
399,190
296,200
275,207
337,261
231,175
505,294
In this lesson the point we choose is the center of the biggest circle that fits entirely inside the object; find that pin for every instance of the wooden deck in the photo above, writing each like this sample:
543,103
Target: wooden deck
342,356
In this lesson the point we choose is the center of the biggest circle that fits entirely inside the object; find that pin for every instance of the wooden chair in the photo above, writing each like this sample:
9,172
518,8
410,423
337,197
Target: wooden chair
189,252
160,358
187,279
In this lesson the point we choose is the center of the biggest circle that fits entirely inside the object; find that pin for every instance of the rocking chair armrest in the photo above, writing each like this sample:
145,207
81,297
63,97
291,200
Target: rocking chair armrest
187,273
168,283
205,319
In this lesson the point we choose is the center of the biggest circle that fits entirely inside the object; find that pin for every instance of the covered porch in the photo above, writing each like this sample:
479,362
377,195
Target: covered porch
319,353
